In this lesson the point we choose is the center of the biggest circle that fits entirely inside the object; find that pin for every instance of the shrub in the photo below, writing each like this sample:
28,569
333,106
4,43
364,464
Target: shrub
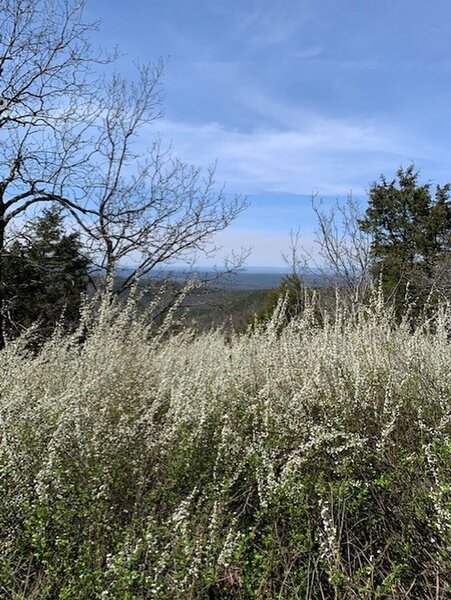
302,462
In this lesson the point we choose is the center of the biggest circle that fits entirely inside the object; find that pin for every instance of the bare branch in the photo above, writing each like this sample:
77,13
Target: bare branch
341,252
72,136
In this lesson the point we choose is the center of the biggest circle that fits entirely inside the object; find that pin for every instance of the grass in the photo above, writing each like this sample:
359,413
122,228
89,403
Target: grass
305,461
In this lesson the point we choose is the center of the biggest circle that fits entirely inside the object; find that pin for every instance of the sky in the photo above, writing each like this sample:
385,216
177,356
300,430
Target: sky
294,98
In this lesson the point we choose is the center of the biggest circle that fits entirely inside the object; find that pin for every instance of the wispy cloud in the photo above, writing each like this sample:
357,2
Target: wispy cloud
321,154
275,22
308,52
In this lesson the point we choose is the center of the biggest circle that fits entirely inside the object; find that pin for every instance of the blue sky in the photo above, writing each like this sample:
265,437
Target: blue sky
295,97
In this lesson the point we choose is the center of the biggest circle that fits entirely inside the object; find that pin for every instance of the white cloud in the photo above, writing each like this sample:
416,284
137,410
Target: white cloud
274,22
321,154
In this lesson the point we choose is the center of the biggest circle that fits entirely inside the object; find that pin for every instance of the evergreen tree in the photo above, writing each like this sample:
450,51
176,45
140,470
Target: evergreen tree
291,291
411,233
46,275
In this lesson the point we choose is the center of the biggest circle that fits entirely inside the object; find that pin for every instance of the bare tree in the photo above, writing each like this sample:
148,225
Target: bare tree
340,255
69,135
45,61
150,208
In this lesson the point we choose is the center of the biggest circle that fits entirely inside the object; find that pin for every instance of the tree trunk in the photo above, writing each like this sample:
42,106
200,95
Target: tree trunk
2,275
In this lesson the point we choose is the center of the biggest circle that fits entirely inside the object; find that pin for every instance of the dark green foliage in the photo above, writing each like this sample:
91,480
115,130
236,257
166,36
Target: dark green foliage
411,230
46,275
290,291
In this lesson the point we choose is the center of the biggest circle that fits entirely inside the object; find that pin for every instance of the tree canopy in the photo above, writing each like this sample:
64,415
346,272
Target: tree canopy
410,227
46,275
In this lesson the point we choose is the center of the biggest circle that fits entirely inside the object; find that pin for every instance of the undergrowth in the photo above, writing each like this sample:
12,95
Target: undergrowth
305,461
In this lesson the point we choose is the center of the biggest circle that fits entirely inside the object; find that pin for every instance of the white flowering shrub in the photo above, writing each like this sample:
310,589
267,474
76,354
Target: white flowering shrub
305,461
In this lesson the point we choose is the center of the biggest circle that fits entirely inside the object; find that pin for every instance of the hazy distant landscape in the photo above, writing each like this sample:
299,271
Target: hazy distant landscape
250,278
